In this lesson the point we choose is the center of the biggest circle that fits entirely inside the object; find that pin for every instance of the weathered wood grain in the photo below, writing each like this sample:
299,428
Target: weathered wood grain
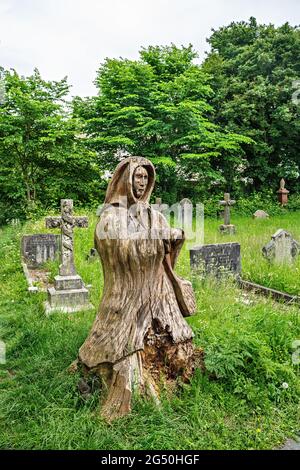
139,331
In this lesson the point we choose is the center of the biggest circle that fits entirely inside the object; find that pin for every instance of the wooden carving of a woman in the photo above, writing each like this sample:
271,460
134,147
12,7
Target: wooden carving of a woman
140,331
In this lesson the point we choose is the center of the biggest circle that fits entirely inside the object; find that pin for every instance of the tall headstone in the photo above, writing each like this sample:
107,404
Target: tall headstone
282,249
69,293
282,193
219,259
140,332
39,248
227,227
185,213
259,214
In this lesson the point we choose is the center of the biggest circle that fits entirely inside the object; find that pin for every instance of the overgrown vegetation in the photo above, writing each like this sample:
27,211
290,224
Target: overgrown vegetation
248,398
227,124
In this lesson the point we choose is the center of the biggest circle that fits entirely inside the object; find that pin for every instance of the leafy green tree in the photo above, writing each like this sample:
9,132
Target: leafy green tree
254,69
158,107
42,157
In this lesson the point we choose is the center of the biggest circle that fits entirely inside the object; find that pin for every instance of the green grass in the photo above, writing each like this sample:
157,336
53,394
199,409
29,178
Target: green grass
253,234
239,403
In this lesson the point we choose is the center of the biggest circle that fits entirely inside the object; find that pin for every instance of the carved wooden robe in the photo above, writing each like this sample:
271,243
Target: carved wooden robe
140,324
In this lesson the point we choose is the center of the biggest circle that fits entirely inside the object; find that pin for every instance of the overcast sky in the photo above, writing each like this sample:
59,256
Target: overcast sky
72,37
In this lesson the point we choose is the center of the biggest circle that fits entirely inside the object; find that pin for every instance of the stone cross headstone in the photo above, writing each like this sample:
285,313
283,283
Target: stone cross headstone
219,259
185,213
15,222
282,193
159,206
69,293
282,249
67,222
39,248
260,215
227,227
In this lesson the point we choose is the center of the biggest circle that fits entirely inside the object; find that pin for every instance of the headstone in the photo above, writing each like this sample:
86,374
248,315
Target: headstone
282,193
185,201
185,213
39,248
219,259
69,293
92,254
159,206
227,227
141,321
260,215
282,248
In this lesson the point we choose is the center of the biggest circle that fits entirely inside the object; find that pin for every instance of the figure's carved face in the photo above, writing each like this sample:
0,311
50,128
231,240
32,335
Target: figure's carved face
140,181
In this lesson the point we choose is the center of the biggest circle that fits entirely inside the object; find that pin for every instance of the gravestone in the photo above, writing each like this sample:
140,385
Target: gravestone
185,201
2,352
140,333
218,259
39,248
282,193
185,213
282,249
260,215
227,227
69,293
159,206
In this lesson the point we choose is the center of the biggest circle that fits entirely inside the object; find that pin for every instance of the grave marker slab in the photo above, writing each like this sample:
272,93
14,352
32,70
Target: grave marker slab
159,206
69,293
259,214
185,213
282,193
219,259
282,249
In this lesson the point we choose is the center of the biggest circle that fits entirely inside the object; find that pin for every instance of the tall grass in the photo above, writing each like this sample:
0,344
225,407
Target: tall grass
238,403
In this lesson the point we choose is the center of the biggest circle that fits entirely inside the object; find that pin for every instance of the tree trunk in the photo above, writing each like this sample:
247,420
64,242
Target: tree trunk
139,336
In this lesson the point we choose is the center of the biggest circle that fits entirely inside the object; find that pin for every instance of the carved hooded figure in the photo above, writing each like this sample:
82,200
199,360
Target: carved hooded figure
140,320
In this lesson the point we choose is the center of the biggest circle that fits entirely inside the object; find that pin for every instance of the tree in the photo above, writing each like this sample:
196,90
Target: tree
254,68
41,150
158,107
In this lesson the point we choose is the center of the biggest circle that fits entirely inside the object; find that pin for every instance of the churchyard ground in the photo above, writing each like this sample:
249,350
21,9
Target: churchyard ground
248,397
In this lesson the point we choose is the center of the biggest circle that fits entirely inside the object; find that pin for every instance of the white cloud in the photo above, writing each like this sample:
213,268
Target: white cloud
72,37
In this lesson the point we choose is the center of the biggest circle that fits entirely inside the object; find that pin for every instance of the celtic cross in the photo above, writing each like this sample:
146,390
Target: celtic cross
67,222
